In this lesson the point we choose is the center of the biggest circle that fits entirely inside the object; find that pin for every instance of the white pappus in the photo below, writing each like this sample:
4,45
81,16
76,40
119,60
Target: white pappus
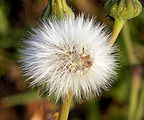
69,55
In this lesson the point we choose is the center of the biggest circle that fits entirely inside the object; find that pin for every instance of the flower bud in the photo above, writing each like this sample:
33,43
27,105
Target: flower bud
58,9
123,9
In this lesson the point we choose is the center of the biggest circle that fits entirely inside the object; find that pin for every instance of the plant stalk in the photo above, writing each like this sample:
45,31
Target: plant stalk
64,112
136,74
134,98
118,24
140,110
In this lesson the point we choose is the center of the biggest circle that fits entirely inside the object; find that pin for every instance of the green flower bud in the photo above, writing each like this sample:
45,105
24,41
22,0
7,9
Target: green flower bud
123,9
58,9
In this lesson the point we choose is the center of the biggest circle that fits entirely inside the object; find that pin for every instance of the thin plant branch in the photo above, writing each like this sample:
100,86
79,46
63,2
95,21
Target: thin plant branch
118,24
136,74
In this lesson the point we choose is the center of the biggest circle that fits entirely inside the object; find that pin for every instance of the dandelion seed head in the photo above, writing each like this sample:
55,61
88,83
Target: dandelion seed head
69,55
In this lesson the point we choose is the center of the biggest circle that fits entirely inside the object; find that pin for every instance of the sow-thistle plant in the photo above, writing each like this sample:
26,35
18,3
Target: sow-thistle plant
69,57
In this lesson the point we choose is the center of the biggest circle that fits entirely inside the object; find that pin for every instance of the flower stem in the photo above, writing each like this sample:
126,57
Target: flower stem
118,24
134,98
140,110
65,107
136,73
128,45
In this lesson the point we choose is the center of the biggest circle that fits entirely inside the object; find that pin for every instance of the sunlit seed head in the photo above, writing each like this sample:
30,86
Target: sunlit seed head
70,55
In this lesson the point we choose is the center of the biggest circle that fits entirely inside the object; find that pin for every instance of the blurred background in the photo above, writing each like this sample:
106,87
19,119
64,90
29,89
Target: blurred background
18,102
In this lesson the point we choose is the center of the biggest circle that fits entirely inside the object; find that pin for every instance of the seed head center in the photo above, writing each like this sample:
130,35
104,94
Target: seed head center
78,62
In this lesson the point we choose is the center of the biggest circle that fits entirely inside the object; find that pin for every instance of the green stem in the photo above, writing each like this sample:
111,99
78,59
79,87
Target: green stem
118,24
129,46
134,96
64,112
3,20
140,110
136,74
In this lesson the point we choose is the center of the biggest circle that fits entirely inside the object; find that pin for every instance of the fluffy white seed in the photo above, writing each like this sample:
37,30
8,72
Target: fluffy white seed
70,55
